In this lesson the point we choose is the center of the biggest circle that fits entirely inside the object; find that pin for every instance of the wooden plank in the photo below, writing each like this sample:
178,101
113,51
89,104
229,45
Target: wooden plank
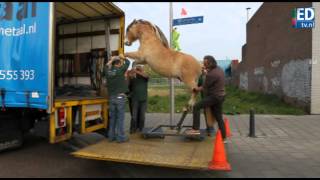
76,98
172,152
92,113
83,34
87,34
83,119
114,53
114,31
105,114
94,128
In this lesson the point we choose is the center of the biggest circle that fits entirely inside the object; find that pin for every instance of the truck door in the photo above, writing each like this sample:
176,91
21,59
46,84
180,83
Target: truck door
24,54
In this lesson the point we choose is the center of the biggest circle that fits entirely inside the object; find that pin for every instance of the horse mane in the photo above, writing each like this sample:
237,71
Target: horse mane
162,37
157,30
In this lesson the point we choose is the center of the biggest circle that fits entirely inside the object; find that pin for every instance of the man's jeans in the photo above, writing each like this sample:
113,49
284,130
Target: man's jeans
116,123
138,115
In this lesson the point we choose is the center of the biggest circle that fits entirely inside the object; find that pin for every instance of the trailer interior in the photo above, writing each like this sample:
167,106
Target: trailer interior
86,34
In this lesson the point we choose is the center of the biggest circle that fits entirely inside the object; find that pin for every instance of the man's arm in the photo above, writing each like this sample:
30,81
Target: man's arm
109,64
144,75
125,66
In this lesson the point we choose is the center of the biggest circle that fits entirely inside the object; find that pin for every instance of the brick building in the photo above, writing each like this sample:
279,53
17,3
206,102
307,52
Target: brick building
279,59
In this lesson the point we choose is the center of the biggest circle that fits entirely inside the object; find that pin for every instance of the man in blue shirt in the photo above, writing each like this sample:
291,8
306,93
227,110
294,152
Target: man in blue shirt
117,87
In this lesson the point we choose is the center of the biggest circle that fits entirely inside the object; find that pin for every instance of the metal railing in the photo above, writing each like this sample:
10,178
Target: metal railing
157,82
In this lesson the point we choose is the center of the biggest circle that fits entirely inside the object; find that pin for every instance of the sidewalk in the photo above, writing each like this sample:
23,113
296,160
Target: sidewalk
286,146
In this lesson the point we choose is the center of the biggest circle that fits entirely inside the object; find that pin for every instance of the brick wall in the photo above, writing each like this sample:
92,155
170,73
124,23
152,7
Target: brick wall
276,57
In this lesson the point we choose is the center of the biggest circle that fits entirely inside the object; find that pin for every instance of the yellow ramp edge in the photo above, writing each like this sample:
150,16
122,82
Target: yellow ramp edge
173,152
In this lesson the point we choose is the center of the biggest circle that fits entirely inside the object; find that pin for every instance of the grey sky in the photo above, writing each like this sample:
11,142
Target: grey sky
222,34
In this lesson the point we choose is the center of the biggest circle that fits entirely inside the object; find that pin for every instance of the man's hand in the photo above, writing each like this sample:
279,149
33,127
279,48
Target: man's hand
109,64
197,89
112,58
141,73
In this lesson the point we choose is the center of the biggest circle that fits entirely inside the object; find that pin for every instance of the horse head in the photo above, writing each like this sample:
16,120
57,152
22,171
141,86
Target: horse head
131,33
134,31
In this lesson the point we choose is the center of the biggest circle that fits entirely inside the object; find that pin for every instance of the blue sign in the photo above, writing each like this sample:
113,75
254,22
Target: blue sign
24,54
190,20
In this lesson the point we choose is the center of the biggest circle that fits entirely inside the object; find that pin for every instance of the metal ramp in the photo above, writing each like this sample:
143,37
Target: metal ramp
173,152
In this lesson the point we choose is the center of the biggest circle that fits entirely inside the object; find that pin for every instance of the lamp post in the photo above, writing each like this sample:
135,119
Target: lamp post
171,79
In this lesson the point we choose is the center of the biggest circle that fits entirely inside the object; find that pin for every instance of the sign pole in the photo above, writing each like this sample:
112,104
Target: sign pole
171,79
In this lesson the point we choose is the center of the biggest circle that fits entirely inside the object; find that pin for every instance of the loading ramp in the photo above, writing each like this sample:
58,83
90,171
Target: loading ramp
173,152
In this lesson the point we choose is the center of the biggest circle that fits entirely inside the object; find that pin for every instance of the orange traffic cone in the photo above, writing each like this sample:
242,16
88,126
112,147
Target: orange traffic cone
226,124
219,160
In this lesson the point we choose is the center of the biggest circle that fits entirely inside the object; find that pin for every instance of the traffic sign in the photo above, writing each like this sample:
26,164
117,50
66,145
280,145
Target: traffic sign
190,20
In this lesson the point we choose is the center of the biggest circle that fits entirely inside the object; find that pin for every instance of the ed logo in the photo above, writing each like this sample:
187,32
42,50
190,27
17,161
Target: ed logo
303,18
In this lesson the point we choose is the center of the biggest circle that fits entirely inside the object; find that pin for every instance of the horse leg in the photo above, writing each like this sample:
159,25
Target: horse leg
192,100
136,56
191,84
190,80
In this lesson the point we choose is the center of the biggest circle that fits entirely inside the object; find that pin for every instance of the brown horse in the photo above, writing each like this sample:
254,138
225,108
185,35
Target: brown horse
154,51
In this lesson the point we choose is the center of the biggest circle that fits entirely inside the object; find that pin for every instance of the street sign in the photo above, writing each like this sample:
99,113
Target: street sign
190,20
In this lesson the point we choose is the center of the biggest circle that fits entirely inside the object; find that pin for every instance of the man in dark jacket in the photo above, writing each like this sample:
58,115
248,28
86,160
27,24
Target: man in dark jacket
117,87
138,85
207,111
214,93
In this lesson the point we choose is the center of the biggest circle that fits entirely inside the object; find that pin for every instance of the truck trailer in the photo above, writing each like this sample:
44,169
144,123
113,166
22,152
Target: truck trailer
52,57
